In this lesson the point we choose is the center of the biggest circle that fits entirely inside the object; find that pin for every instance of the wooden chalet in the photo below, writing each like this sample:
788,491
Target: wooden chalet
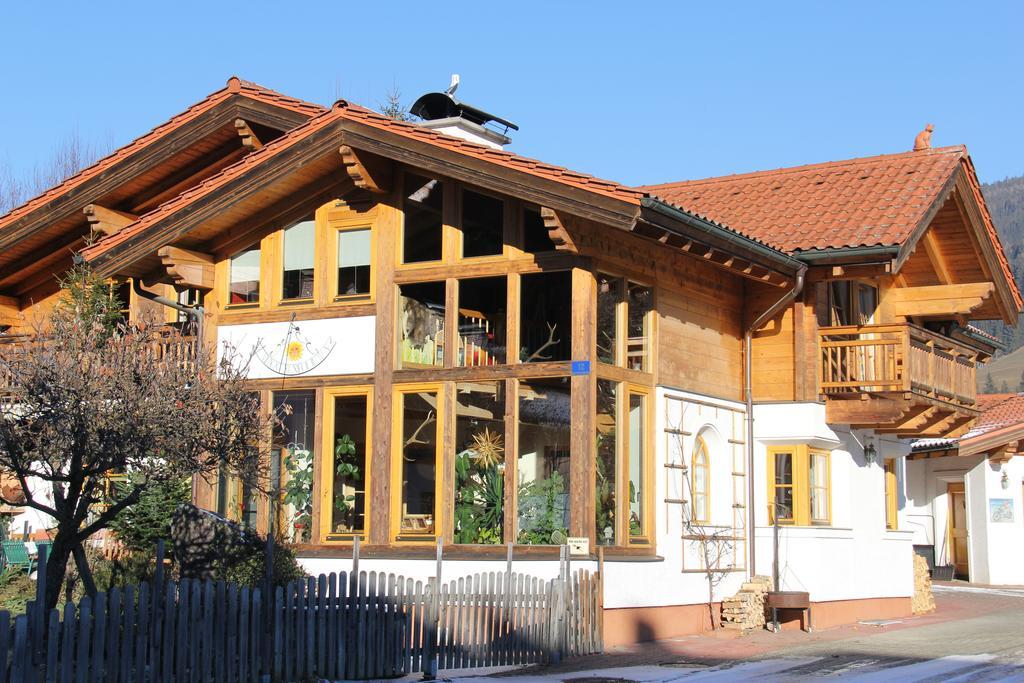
481,349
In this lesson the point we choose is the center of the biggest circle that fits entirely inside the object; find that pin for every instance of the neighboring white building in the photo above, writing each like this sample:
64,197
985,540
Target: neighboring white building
964,497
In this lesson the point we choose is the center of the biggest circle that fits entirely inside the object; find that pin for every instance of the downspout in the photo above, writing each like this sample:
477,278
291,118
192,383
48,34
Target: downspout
787,298
196,313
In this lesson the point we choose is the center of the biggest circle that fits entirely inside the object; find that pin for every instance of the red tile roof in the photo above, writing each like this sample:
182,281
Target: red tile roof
353,112
998,411
234,86
858,202
864,202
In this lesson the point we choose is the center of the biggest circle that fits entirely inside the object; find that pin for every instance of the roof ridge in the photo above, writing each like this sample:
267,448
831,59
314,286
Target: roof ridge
250,158
961,149
140,141
418,131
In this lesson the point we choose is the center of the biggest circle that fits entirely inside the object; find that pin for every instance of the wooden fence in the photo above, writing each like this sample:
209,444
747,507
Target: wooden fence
347,625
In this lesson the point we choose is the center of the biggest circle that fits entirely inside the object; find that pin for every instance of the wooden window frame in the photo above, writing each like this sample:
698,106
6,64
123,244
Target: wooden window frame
700,446
509,232
225,287
801,485
397,453
891,494
647,530
448,214
622,323
334,229
275,240
325,471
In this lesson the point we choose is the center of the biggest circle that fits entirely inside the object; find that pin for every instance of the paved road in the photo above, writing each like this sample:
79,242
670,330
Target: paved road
976,636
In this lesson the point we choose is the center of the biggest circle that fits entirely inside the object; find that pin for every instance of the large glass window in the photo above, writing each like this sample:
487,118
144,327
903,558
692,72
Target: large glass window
421,310
607,460
348,475
482,325
637,463
543,461
483,224
639,306
354,262
417,466
536,238
545,317
609,297
700,478
245,277
299,259
479,462
291,465
422,236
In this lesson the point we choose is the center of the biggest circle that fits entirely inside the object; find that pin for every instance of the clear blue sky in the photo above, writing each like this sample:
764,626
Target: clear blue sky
631,91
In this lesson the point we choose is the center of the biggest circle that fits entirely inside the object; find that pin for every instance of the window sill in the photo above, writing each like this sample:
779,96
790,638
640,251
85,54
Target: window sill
428,551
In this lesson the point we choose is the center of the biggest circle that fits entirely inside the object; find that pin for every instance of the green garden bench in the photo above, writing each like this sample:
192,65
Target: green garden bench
16,556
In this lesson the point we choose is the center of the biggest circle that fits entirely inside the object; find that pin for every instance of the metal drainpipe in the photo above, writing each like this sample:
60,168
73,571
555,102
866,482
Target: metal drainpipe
197,313
787,298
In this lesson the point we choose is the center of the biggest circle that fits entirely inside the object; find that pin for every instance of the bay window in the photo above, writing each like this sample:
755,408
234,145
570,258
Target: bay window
799,485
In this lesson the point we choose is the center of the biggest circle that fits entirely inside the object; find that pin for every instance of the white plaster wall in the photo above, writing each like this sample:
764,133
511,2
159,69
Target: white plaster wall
997,548
928,501
856,557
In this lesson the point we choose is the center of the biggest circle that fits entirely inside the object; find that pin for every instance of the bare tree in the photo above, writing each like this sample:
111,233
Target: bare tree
71,155
90,396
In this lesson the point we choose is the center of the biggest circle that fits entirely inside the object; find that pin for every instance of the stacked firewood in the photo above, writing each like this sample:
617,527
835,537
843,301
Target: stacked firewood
745,611
923,601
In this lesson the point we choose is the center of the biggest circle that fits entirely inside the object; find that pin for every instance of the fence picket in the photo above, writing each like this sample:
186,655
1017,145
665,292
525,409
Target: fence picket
84,640
142,635
114,636
243,633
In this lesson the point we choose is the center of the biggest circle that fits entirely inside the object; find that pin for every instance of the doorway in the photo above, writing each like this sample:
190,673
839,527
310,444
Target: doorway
958,529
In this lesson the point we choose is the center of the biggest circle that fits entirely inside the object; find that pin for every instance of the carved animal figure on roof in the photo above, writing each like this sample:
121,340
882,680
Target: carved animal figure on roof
924,138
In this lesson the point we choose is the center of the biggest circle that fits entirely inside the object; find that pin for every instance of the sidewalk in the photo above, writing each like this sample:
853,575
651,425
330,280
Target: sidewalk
972,628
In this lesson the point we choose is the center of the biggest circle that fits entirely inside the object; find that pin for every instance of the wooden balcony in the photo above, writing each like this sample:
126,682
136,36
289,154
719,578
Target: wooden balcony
898,379
168,344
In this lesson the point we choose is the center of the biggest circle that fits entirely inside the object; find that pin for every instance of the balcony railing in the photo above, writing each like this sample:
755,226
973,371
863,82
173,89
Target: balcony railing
899,357
167,344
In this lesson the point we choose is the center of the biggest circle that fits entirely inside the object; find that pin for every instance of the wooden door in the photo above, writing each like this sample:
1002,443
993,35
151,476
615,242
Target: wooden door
958,529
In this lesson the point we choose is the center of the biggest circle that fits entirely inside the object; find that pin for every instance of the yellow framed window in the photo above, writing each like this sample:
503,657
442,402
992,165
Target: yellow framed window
345,467
624,320
638,463
483,224
700,481
818,486
352,262
416,463
423,219
799,486
891,493
244,277
298,261
292,465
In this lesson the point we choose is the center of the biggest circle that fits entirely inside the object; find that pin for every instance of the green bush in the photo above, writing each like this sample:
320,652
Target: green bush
141,525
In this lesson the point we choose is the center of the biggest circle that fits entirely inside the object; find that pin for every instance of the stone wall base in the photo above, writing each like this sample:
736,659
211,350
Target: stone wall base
628,625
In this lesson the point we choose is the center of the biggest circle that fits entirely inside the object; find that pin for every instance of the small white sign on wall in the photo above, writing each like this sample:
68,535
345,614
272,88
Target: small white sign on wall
298,348
579,545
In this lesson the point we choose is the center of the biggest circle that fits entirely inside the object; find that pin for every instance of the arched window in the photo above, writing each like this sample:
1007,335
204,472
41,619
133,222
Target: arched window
700,474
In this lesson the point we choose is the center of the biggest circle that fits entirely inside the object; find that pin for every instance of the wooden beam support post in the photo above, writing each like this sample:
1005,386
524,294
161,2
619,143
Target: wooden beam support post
188,268
106,222
387,225
583,403
249,139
